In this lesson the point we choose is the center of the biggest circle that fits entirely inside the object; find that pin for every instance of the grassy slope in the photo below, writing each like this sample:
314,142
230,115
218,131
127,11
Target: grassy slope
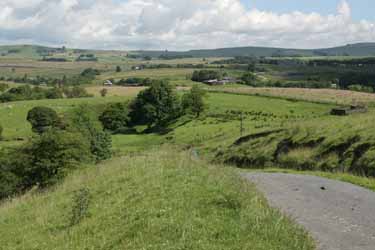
159,200
13,115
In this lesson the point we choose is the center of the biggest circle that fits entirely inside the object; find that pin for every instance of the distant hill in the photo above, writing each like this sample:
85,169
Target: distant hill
359,49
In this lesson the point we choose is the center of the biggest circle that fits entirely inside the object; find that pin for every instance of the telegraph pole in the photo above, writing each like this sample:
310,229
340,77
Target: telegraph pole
241,124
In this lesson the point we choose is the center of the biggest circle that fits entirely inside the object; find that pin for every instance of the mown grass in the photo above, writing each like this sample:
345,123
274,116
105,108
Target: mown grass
155,200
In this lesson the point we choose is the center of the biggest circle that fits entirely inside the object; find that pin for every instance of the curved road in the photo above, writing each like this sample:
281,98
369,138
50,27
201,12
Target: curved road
339,216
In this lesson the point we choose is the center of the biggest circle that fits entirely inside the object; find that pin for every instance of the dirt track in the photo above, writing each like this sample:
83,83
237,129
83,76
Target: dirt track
340,216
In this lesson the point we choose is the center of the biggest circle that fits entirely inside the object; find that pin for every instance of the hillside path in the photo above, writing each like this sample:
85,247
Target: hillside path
338,215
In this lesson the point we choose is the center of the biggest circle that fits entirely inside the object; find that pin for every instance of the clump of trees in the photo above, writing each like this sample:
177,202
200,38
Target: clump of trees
87,58
115,117
249,79
43,119
365,79
205,75
134,81
59,145
3,87
76,92
85,77
28,93
156,106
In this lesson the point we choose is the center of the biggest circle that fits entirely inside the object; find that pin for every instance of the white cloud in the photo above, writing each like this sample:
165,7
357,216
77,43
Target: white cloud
183,24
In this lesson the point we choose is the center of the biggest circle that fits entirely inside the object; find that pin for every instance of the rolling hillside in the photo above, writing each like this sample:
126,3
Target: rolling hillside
360,49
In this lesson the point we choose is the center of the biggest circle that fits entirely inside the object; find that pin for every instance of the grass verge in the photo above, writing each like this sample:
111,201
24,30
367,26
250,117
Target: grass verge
158,200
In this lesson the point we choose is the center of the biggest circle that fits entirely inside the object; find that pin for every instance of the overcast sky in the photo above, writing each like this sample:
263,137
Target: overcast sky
186,24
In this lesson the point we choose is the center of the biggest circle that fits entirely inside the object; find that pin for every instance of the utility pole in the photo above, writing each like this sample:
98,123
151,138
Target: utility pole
241,124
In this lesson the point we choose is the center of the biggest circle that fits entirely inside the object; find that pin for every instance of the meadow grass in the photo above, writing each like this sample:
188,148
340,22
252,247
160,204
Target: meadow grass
331,96
13,115
161,199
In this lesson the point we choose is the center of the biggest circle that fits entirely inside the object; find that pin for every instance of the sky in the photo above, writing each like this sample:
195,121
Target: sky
186,24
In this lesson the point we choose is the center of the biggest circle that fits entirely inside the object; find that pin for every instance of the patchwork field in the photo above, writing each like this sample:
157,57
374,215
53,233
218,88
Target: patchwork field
172,182
334,96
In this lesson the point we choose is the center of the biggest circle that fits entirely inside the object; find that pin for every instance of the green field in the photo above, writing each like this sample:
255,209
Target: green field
179,188
157,200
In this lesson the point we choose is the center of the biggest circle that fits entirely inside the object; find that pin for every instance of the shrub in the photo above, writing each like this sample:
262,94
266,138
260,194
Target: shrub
104,92
10,182
193,100
81,202
115,116
204,75
156,105
42,161
3,87
51,154
54,93
42,119
249,79
76,92
84,120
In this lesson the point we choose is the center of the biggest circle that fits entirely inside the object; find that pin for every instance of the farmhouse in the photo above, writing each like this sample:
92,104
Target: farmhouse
223,81
108,83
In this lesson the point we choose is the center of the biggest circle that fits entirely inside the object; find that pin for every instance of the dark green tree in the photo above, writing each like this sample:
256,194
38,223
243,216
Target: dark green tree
156,105
118,69
249,79
84,120
193,101
51,154
115,116
42,119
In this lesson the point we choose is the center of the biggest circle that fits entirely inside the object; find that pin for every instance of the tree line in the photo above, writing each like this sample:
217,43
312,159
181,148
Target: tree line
62,143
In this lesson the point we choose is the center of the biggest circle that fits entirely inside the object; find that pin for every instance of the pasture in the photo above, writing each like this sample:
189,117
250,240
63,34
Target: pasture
332,96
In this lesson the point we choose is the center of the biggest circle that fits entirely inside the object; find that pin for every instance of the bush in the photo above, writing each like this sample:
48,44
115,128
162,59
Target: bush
43,161
193,100
81,202
28,93
360,88
51,154
115,116
156,105
249,79
3,87
42,119
84,120
10,182
205,75
76,92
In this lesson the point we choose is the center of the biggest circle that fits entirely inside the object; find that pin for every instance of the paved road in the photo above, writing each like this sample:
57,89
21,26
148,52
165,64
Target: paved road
340,216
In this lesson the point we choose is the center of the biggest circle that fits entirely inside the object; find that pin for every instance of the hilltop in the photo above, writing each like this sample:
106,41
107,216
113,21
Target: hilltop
358,49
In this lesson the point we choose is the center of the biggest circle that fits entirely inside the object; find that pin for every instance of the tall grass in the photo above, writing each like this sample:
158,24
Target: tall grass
157,200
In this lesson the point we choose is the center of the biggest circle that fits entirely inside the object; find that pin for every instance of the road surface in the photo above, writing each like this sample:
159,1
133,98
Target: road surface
338,215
